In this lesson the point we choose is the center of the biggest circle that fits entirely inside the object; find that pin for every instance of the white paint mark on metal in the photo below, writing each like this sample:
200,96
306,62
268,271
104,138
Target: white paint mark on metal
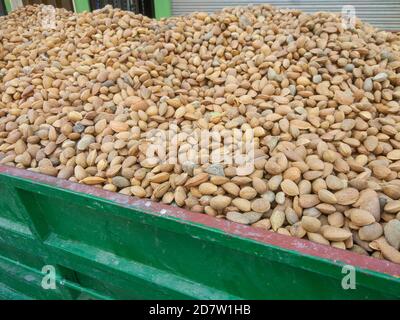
29,278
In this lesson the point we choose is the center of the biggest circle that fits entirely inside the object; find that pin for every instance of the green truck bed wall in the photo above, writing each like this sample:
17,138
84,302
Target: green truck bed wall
106,245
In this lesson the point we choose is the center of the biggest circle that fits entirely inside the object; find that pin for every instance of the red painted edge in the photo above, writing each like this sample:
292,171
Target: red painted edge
287,242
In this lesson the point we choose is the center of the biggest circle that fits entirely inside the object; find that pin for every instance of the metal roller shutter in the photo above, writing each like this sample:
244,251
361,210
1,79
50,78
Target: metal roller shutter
384,14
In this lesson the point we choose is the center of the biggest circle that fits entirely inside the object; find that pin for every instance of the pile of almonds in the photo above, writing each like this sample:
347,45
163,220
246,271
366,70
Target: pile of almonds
77,100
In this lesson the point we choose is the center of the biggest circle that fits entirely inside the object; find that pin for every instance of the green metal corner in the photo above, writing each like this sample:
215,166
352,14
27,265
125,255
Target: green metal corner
81,6
8,5
162,8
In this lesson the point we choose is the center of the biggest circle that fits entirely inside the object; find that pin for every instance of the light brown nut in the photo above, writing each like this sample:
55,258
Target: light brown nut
360,217
220,202
310,224
289,187
335,234
347,196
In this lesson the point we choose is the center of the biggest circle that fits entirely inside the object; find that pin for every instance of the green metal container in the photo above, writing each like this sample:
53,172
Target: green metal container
104,245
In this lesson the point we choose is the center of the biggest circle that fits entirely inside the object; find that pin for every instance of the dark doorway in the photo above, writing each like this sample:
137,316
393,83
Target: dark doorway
3,10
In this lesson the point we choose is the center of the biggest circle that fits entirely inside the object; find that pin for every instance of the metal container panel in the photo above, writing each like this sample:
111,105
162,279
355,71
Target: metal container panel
106,245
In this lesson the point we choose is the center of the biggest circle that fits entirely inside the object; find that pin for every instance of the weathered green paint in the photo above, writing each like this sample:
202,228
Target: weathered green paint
162,8
8,5
105,250
81,5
